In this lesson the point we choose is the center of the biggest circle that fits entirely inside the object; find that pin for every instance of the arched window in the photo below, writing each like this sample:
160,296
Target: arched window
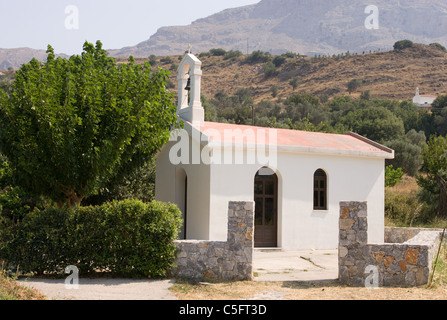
320,190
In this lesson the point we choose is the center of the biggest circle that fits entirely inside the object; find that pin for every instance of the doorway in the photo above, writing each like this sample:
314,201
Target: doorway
266,209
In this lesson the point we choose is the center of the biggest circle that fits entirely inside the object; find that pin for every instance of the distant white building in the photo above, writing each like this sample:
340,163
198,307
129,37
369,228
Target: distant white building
423,101
296,178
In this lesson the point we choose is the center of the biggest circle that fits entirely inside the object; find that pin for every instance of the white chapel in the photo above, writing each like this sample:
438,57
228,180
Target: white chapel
297,179
423,101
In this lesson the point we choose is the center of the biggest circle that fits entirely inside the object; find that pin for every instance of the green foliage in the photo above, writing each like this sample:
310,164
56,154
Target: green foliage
166,60
139,185
232,55
258,57
439,109
294,83
128,238
353,85
408,152
365,95
438,45
217,52
434,167
152,60
378,124
278,61
209,108
402,44
70,127
392,176
270,70
404,209
6,81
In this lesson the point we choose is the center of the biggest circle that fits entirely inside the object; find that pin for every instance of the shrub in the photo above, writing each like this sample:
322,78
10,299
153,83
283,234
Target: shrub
278,61
270,70
403,209
166,60
128,238
402,44
438,45
258,57
217,52
232,55
392,176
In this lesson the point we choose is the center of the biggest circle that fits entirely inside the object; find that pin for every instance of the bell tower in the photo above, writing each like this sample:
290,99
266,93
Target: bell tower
189,86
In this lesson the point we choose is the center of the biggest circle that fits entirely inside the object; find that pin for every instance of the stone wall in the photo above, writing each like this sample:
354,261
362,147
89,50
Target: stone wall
405,264
401,235
222,260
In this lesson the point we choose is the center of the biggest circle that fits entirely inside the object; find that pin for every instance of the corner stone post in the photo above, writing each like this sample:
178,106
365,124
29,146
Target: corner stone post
353,236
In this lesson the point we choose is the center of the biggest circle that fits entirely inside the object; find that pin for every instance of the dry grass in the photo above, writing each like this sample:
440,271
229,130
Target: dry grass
408,185
389,75
302,291
11,290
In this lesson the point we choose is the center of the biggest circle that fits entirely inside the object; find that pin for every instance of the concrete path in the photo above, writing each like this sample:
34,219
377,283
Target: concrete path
308,265
104,289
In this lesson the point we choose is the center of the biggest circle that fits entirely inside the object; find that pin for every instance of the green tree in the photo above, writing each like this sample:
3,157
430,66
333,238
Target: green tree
71,127
375,123
408,152
434,169
392,176
353,85
439,114
270,70
402,44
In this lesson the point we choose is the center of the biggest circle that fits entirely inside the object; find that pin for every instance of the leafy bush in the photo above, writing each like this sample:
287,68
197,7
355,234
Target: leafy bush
353,85
403,209
258,57
231,55
438,45
403,44
392,176
278,61
217,52
270,70
128,238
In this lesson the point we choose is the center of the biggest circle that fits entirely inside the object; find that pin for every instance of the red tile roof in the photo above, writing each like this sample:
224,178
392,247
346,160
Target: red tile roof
287,139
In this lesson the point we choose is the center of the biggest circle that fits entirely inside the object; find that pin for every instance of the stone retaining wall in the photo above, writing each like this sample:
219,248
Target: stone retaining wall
404,264
221,260
401,235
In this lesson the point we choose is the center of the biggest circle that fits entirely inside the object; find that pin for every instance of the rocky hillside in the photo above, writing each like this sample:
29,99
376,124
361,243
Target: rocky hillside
304,26
391,75
14,58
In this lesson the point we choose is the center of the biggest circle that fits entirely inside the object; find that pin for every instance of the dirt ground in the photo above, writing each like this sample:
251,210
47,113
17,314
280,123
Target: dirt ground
300,291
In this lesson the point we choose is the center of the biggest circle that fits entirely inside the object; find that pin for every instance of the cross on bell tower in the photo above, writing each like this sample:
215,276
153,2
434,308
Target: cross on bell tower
189,86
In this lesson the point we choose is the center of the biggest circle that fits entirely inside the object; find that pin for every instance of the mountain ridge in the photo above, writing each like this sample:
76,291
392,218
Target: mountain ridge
304,26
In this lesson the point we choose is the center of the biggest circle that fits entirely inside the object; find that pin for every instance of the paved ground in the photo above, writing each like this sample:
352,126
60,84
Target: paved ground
296,265
104,289
268,266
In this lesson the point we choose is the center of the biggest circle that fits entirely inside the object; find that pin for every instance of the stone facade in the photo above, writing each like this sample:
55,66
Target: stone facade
221,260
405,264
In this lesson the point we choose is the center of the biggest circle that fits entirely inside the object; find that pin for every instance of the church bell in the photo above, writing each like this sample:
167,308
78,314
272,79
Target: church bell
188,85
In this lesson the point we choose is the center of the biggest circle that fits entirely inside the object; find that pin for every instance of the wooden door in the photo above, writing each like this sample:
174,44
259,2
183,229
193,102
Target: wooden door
266,211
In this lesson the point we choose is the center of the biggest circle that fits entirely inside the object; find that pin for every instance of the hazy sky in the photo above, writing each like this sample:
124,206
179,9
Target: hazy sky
66,24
